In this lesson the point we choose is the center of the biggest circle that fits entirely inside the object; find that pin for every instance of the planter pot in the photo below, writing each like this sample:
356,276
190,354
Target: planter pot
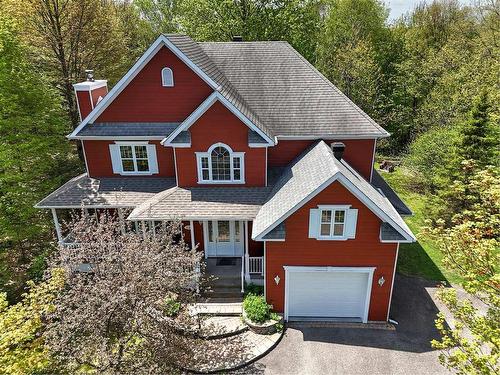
266,328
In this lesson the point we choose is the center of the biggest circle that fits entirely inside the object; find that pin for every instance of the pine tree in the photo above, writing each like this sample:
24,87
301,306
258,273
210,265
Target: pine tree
479,141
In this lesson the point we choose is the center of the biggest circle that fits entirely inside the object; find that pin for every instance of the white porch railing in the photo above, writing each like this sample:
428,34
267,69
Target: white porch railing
255,265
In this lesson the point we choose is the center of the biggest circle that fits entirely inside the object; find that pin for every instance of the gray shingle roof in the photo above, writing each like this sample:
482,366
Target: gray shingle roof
183,137
278,233
255,138
379,183
230,203
306,176
197,55
388,233
287,93
103,192
128,129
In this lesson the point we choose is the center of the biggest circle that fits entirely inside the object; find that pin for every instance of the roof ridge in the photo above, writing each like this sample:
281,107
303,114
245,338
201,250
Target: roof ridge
318,73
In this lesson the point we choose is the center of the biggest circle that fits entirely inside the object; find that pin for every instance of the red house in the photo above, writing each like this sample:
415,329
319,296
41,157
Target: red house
267,163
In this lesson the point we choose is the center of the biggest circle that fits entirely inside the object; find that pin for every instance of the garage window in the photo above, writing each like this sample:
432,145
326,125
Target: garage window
333,222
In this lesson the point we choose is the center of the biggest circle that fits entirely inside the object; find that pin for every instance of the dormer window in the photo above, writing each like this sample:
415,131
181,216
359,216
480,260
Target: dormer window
167,77
220,165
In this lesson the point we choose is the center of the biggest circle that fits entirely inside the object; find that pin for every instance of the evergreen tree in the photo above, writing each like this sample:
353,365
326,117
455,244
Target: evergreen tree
479,141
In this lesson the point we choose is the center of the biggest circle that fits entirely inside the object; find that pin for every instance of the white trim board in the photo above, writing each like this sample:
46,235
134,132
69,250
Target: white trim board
353,189
203,107
161,41
327,137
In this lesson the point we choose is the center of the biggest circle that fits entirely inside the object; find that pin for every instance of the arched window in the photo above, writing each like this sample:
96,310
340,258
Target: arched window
220,165
167,77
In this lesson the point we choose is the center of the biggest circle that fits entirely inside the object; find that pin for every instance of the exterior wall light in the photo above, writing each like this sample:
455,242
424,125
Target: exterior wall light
381,281
277,279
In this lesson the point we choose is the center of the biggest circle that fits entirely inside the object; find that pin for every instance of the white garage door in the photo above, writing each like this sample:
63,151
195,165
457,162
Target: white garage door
328,292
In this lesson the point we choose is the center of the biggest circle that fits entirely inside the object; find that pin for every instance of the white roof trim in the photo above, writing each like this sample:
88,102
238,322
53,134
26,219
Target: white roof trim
160,42
338,176
119,138
330,137
203,107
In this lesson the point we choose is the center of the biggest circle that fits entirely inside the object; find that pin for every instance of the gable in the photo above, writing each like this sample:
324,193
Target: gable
256,136
144,99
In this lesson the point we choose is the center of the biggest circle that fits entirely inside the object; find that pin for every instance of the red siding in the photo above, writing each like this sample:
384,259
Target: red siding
255,248
358,153
218,124
145,99
364,251
84,104
99,159
101,91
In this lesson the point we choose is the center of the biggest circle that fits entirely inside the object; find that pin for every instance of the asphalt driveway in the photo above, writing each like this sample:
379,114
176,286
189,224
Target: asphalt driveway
407,350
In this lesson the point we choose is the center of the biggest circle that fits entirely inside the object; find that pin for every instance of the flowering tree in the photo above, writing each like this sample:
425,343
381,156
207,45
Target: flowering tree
471,248
125,306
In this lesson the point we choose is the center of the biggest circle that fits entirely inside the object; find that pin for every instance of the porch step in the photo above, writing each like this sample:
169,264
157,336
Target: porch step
219,309
226,282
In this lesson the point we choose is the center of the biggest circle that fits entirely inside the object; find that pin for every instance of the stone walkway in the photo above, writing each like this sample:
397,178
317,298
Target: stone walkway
219,326
224,309
233,352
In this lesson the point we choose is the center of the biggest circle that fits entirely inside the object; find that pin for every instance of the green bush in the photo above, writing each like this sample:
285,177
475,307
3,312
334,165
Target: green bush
256,290
431,154
256,308
171,307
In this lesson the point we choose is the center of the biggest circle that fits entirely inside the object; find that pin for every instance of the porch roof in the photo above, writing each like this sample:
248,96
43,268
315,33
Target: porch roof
105,192
203,203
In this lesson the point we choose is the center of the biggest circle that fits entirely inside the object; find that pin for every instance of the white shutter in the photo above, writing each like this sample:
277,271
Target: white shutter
153,163
313,223
116,159
350,223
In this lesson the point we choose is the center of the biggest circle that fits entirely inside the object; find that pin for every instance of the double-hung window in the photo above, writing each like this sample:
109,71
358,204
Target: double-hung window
220,165
333,222
133,158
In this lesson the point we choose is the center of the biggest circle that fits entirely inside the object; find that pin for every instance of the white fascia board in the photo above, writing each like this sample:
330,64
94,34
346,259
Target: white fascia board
90,85
328,136
203,107
119,138
355,191
374,208
259,236
136,68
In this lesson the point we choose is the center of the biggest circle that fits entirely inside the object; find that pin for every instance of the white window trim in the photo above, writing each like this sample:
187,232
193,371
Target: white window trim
333,208
208,154
134,173
162,78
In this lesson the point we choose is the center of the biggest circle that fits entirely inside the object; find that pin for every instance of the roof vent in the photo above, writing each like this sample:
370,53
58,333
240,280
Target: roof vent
338,149
89,73
237,38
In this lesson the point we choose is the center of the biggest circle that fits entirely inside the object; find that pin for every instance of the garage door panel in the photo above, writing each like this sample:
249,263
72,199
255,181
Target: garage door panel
327,294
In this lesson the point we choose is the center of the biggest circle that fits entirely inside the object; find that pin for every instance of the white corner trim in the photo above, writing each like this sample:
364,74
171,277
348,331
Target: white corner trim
392,284
161,41
203,107
373,159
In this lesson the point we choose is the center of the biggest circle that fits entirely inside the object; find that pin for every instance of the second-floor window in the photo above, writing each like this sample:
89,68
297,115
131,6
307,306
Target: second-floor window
129,158
220,165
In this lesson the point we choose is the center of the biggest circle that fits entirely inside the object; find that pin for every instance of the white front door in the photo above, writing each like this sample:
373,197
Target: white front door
223,238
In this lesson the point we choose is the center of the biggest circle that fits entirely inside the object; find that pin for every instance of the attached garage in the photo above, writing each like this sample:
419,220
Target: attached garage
322,293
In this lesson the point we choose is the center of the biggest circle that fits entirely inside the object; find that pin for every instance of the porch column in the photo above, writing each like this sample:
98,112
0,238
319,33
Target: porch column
191,230
247,257
122,221
56,224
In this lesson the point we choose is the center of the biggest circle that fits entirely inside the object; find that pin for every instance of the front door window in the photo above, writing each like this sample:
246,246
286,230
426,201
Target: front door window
224,234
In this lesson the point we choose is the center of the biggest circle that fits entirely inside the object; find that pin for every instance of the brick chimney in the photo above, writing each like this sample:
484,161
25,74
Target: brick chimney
89,93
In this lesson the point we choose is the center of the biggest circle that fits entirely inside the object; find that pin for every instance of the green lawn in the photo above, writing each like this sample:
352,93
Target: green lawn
421,258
